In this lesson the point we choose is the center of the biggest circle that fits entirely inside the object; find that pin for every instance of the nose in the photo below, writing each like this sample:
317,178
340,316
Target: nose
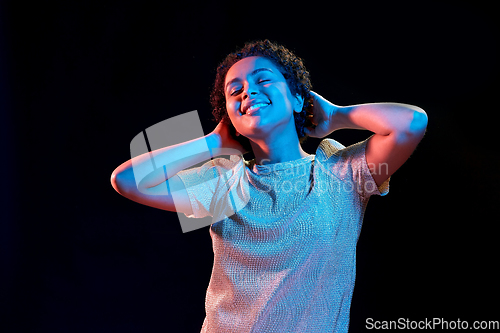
251,90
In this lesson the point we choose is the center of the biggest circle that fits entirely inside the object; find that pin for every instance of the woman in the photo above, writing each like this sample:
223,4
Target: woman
286,223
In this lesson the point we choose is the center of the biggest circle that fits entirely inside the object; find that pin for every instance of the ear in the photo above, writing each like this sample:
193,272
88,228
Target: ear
298,103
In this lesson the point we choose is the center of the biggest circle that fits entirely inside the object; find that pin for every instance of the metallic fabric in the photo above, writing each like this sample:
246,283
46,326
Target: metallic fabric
286,260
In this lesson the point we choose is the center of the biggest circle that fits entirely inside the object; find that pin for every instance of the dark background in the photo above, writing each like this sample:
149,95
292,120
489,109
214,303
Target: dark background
80,79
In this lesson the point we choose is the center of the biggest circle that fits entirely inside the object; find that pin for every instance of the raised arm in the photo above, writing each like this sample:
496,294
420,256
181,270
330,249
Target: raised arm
159,187
397,128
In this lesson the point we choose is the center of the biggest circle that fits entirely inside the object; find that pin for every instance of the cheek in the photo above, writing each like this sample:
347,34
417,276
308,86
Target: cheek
231,106
280,92
232,110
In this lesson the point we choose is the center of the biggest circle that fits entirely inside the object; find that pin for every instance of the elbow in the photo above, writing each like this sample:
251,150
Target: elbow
418,124
414,128
115,183
121,181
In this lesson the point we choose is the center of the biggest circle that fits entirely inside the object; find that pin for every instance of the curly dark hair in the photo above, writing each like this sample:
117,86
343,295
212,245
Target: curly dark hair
292,68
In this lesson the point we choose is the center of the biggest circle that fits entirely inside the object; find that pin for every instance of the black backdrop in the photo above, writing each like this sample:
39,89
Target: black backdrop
80,79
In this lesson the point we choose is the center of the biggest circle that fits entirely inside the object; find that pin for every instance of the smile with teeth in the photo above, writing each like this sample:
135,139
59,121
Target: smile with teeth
255,107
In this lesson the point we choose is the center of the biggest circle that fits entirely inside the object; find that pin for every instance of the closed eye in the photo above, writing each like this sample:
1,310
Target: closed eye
235,91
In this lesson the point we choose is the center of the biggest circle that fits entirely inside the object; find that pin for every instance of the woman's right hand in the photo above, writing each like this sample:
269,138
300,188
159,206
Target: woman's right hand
224,139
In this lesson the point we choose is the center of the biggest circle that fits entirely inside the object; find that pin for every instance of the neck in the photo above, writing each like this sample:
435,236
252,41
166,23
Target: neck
277,151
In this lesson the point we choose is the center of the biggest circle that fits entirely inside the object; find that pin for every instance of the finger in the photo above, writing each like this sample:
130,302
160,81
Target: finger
309,131
313,119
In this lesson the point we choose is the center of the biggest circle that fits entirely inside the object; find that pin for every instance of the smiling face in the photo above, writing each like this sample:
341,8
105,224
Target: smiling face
258,99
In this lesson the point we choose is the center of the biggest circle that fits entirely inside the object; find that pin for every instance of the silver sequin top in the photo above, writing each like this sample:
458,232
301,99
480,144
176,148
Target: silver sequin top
286,260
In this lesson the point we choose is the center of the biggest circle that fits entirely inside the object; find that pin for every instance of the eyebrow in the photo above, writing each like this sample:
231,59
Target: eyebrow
258,70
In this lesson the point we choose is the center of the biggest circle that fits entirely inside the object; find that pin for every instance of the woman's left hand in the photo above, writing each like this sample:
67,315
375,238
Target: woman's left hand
322,116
